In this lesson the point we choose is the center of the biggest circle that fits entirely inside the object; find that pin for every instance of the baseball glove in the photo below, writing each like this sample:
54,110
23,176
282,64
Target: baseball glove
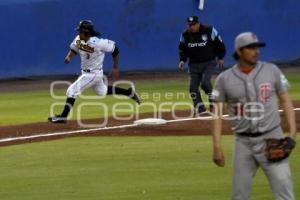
279,149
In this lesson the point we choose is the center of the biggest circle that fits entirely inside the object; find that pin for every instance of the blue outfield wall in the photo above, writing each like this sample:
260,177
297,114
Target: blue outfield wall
35,34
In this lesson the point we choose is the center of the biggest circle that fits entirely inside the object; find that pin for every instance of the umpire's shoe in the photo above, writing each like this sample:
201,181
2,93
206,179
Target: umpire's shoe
57,119
201,112
134,96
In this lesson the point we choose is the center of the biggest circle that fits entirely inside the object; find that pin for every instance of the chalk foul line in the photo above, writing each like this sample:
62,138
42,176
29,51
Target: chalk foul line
35,136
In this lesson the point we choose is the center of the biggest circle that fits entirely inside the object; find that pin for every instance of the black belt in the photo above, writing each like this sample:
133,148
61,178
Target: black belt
88,70
248,134
257,134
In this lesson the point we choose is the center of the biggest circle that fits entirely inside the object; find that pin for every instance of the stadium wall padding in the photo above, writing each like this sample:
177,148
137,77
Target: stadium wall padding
35,34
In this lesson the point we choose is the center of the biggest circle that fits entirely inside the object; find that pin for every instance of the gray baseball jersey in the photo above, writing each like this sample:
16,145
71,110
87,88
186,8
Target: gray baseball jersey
252,103
252,98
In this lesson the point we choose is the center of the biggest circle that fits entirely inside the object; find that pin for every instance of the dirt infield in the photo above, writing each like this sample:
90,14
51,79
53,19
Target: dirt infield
180,128
195,126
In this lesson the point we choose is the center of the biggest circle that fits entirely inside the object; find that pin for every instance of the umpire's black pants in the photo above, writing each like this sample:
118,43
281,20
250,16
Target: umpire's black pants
200,75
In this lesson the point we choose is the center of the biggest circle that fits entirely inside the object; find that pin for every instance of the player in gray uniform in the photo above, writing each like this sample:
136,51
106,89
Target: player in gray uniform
251,89
91,50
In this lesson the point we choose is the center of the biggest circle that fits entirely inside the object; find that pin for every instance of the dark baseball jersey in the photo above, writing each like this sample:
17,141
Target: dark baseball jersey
201,46
252,98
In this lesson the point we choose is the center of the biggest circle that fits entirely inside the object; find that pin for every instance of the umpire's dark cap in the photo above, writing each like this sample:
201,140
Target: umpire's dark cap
192,20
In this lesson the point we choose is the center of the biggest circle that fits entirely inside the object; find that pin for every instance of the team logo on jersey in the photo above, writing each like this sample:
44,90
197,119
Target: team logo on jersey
200,44
264,92
204,37
84,47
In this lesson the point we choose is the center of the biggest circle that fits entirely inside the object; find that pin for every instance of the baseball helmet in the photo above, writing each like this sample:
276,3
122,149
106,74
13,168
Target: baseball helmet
86,26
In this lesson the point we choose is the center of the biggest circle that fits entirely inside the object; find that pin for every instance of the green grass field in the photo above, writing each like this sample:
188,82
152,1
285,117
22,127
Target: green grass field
118,168
123,168
29,107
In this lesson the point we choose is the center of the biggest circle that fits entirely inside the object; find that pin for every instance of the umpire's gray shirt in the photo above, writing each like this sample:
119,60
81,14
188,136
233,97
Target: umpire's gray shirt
252,98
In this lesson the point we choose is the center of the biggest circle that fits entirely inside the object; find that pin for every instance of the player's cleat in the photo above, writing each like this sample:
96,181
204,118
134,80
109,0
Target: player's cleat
134,96
57,119
201,112
204,114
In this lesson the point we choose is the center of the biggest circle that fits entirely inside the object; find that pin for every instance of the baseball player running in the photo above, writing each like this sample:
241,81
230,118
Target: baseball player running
91,50
251,89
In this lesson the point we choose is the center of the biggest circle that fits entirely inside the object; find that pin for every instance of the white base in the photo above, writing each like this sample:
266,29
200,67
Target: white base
150,121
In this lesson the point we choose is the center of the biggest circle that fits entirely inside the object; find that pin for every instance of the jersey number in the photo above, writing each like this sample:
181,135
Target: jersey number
88,56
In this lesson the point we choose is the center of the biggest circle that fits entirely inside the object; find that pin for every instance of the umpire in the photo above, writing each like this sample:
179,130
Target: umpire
203,47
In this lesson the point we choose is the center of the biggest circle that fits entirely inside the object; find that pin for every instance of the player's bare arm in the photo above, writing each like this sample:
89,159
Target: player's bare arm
71,54
115,66
288,109
218,156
